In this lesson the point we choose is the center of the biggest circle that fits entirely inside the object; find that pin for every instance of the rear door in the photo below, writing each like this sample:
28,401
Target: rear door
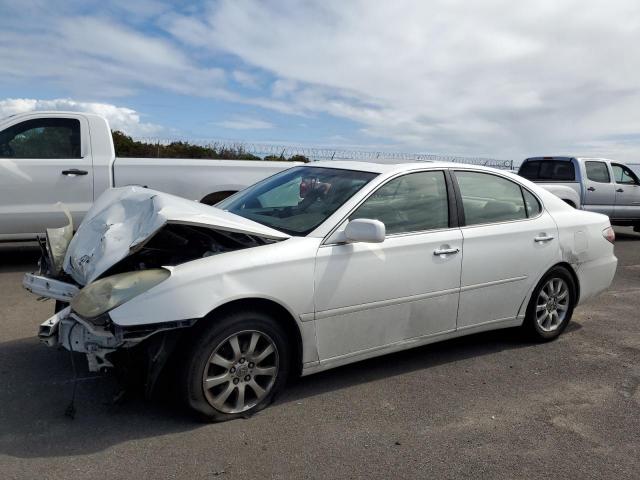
509,242
43,161
599,189
627,193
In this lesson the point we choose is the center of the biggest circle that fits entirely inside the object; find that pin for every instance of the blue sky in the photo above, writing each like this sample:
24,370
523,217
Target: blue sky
499,79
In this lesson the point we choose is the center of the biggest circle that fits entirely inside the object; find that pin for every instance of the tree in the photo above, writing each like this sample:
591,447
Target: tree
126,146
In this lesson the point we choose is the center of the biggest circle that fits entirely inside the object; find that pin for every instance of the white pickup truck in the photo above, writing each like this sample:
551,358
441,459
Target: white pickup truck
68,157
595,184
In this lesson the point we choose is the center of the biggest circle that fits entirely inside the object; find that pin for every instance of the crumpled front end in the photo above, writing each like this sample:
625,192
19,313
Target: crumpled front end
133,220
98,338
126,245
66,329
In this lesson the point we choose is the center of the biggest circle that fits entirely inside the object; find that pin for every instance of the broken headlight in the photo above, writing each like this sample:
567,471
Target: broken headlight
108,293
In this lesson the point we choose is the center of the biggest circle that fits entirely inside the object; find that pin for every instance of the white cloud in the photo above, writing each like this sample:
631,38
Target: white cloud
491,78
244,123
120,118
245,79
486,78
98,57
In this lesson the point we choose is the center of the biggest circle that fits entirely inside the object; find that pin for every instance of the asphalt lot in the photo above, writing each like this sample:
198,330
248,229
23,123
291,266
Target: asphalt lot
486,406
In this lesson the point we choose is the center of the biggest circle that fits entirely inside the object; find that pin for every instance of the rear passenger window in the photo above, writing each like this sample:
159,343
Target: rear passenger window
487,198
531,202
550,170
411,203
597,172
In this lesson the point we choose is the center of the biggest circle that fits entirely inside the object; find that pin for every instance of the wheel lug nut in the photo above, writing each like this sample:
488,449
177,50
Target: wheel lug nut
233,370
251,365
236,381
242,360
247,378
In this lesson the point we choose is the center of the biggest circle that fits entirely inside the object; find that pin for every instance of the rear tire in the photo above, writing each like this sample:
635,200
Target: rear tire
551,305
235,366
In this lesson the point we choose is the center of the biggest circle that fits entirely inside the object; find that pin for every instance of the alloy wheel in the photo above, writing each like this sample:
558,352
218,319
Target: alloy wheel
240,371
552,304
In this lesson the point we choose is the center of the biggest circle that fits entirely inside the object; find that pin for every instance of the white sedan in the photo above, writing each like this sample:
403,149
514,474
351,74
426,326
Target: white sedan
315,267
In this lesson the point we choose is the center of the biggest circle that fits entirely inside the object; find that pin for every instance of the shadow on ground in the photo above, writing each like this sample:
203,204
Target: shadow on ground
36,385
16,257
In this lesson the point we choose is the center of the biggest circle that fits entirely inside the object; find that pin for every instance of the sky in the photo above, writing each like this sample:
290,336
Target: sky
494,78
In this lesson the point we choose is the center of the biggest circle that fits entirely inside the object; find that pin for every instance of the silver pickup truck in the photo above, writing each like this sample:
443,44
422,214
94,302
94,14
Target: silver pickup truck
595,184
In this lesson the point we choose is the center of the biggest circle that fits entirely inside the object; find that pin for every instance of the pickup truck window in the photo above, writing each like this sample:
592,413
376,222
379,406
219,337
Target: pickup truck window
42,138
623,175
597,172
488,198
552,170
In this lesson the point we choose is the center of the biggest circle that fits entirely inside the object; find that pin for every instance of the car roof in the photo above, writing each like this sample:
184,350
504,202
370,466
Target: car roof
391,168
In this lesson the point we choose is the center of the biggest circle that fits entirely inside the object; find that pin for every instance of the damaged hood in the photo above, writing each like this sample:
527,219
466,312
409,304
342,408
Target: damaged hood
123,219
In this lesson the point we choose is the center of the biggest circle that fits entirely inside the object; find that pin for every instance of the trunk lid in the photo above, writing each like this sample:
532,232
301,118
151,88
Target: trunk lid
123,219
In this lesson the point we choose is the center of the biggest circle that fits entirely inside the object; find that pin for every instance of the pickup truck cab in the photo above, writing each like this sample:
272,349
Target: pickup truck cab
69,157
595,184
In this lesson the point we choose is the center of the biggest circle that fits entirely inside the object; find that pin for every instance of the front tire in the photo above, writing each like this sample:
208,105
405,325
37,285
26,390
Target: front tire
551,305
235,366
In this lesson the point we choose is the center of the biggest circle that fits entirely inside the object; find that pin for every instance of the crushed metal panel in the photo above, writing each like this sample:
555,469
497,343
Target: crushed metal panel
123,219
58,240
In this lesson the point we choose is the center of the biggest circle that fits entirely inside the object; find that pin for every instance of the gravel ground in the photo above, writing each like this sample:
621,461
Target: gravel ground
485,406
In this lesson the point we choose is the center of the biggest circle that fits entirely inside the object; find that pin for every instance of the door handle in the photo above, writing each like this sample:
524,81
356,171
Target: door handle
542,239
620,190
446,251
74,171
591,189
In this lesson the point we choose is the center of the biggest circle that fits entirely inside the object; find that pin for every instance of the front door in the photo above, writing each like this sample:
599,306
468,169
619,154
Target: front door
41,164
599,194
371,295
627,193
509,242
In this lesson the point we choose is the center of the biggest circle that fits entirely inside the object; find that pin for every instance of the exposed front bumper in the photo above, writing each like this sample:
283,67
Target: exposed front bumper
49,287
65,329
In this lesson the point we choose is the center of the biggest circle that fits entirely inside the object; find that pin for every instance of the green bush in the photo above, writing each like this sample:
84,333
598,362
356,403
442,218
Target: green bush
128,147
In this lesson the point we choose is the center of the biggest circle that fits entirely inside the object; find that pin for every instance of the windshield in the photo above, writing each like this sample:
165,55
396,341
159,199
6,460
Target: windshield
297,200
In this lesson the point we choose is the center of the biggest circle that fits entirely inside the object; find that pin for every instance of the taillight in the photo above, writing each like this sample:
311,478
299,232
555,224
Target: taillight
609,234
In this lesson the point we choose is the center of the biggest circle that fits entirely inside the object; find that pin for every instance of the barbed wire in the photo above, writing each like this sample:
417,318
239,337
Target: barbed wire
325,153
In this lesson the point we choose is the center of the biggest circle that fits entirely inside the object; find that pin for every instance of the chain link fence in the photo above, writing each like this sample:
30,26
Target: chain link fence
320,153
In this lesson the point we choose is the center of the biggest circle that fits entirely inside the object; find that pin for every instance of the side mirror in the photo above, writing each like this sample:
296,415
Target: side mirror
365,230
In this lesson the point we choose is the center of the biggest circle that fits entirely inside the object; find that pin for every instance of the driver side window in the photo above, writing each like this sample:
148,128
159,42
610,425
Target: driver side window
42,138
411,203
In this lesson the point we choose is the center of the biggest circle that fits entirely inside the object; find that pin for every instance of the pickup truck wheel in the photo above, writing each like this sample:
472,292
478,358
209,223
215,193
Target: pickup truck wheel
551,305
236,366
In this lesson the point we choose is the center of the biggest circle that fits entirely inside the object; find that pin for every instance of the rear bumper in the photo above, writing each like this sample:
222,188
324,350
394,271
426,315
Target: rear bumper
596,276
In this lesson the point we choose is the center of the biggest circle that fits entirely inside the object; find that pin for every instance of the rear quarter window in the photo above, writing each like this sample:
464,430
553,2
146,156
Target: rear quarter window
548,170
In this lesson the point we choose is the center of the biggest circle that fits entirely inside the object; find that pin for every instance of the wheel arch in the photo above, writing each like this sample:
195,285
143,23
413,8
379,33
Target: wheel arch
277,311
573,274
567,266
